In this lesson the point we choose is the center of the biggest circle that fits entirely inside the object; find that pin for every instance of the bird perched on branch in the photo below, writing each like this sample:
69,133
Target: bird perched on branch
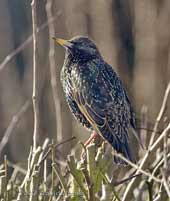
95,94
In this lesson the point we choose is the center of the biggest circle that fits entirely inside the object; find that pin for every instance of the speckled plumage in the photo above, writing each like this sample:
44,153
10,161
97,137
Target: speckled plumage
95,94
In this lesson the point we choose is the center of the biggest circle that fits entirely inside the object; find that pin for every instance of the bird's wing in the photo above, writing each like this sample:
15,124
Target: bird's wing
133,122
77,113
103,103
132,114
79,116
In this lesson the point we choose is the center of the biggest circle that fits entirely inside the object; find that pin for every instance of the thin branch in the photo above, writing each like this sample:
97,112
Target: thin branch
35,75
44,147
56,146
138,168
16,167
86,173
64,141
160,115
160,138
15,119
165,168
158,164
145,159
150,185
144,131
116,183
52,171
147,154
57,171
10,56
53,72
165,182
116,196
165,153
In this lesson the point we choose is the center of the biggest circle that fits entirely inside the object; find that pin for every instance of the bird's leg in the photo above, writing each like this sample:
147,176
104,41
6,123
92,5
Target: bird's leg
94,134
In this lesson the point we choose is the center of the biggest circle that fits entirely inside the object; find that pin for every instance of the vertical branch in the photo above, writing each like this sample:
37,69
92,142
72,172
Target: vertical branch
35,75
53,72
165,165
144,121
52,173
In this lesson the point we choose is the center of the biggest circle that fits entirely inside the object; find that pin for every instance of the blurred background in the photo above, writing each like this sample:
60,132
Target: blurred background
133,36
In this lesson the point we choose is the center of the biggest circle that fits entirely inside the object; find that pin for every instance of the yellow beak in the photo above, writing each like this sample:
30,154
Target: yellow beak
62,42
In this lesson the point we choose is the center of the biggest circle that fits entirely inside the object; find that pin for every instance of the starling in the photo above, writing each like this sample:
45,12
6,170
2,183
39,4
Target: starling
95,94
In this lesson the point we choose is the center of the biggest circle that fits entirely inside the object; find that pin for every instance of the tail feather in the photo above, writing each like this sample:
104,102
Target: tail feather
120,145
126,152
137,137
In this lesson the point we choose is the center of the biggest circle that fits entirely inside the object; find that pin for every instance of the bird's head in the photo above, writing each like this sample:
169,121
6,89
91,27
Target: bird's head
80,48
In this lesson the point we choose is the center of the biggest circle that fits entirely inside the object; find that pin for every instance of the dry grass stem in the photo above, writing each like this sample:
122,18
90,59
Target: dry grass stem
160,115
151,145
139,170
53,72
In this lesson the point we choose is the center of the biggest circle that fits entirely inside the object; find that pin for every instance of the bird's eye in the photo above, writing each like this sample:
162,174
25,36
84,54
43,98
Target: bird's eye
74,42
92,46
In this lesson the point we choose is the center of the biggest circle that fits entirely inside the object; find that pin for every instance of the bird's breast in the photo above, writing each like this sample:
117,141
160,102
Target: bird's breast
80,76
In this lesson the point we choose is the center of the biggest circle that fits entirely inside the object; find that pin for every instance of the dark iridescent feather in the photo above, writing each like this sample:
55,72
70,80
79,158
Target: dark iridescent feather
96,95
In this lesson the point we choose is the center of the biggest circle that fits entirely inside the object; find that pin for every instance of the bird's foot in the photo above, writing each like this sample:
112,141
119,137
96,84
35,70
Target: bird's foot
94,134
94,137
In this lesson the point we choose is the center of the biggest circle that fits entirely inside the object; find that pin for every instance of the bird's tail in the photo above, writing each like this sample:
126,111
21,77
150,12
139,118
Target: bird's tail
137,137
126,152
120,144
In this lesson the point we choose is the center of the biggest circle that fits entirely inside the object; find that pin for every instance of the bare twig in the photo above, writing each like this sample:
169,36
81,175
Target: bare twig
151,148
150,185
165,168
165,183
16,167
86,171
139,190
10,56
57,171
15,119
52,171
138,168
44,147
145,159
35,75
160,138
116,183
159,164
165,152
53,72
144,130
116,197
160,115
56,146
